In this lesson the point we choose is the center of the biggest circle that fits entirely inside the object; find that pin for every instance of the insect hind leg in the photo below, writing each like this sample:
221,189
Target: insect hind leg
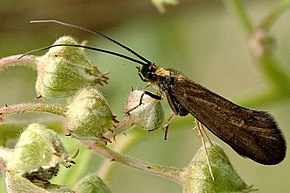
203,136
201,133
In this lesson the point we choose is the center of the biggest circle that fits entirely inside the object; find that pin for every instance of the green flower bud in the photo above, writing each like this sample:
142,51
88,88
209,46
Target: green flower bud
148,115
37,154
261,43
92,184
16,183
89,115
197,177
65,69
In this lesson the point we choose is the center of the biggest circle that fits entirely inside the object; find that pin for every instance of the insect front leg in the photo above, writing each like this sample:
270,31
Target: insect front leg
141,76
152,95
140,103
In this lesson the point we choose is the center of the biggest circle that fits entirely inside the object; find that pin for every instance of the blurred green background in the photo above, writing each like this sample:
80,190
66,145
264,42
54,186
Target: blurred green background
202,39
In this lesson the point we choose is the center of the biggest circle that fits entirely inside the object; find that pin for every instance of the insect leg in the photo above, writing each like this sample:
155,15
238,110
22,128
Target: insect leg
201,132
140,103
214,147
141,76
152,95
166,126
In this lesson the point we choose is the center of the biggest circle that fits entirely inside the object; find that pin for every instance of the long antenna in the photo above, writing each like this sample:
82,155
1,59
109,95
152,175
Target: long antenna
96,33
86,47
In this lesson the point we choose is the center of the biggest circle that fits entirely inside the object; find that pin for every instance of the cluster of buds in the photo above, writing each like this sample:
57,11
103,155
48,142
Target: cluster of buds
65,72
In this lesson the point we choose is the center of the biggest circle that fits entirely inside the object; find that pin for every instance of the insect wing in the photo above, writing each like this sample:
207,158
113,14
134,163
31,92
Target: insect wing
253,134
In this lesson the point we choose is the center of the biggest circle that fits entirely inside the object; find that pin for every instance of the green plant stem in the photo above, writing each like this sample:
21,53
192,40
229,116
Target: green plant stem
167,172
33,107
263,54
278,78
29,61
259,99
123,145
237,7
273,15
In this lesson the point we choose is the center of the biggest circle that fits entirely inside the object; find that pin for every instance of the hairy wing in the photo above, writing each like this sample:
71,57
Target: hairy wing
253,134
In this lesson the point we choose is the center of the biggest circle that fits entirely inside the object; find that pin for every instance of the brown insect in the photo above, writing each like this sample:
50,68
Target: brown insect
251,133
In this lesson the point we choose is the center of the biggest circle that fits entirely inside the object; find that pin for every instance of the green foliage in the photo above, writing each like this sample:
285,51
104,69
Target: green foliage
65,72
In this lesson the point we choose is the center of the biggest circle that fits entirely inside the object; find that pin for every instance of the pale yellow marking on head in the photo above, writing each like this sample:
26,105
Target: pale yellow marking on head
162,72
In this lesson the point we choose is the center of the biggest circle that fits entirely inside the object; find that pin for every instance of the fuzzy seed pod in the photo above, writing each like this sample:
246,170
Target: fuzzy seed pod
92,184
16,183
197,178
89,115
148,115
65,69
38,153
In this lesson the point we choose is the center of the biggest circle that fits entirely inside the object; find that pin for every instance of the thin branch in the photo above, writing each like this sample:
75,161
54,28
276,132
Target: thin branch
33,107
167,172
278,77
29,61
274,14
239,10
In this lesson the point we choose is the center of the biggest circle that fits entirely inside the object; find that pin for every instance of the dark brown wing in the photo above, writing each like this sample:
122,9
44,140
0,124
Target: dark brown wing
253,134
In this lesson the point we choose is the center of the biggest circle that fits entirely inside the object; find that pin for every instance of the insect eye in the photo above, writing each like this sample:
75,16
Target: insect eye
151,75
169,79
